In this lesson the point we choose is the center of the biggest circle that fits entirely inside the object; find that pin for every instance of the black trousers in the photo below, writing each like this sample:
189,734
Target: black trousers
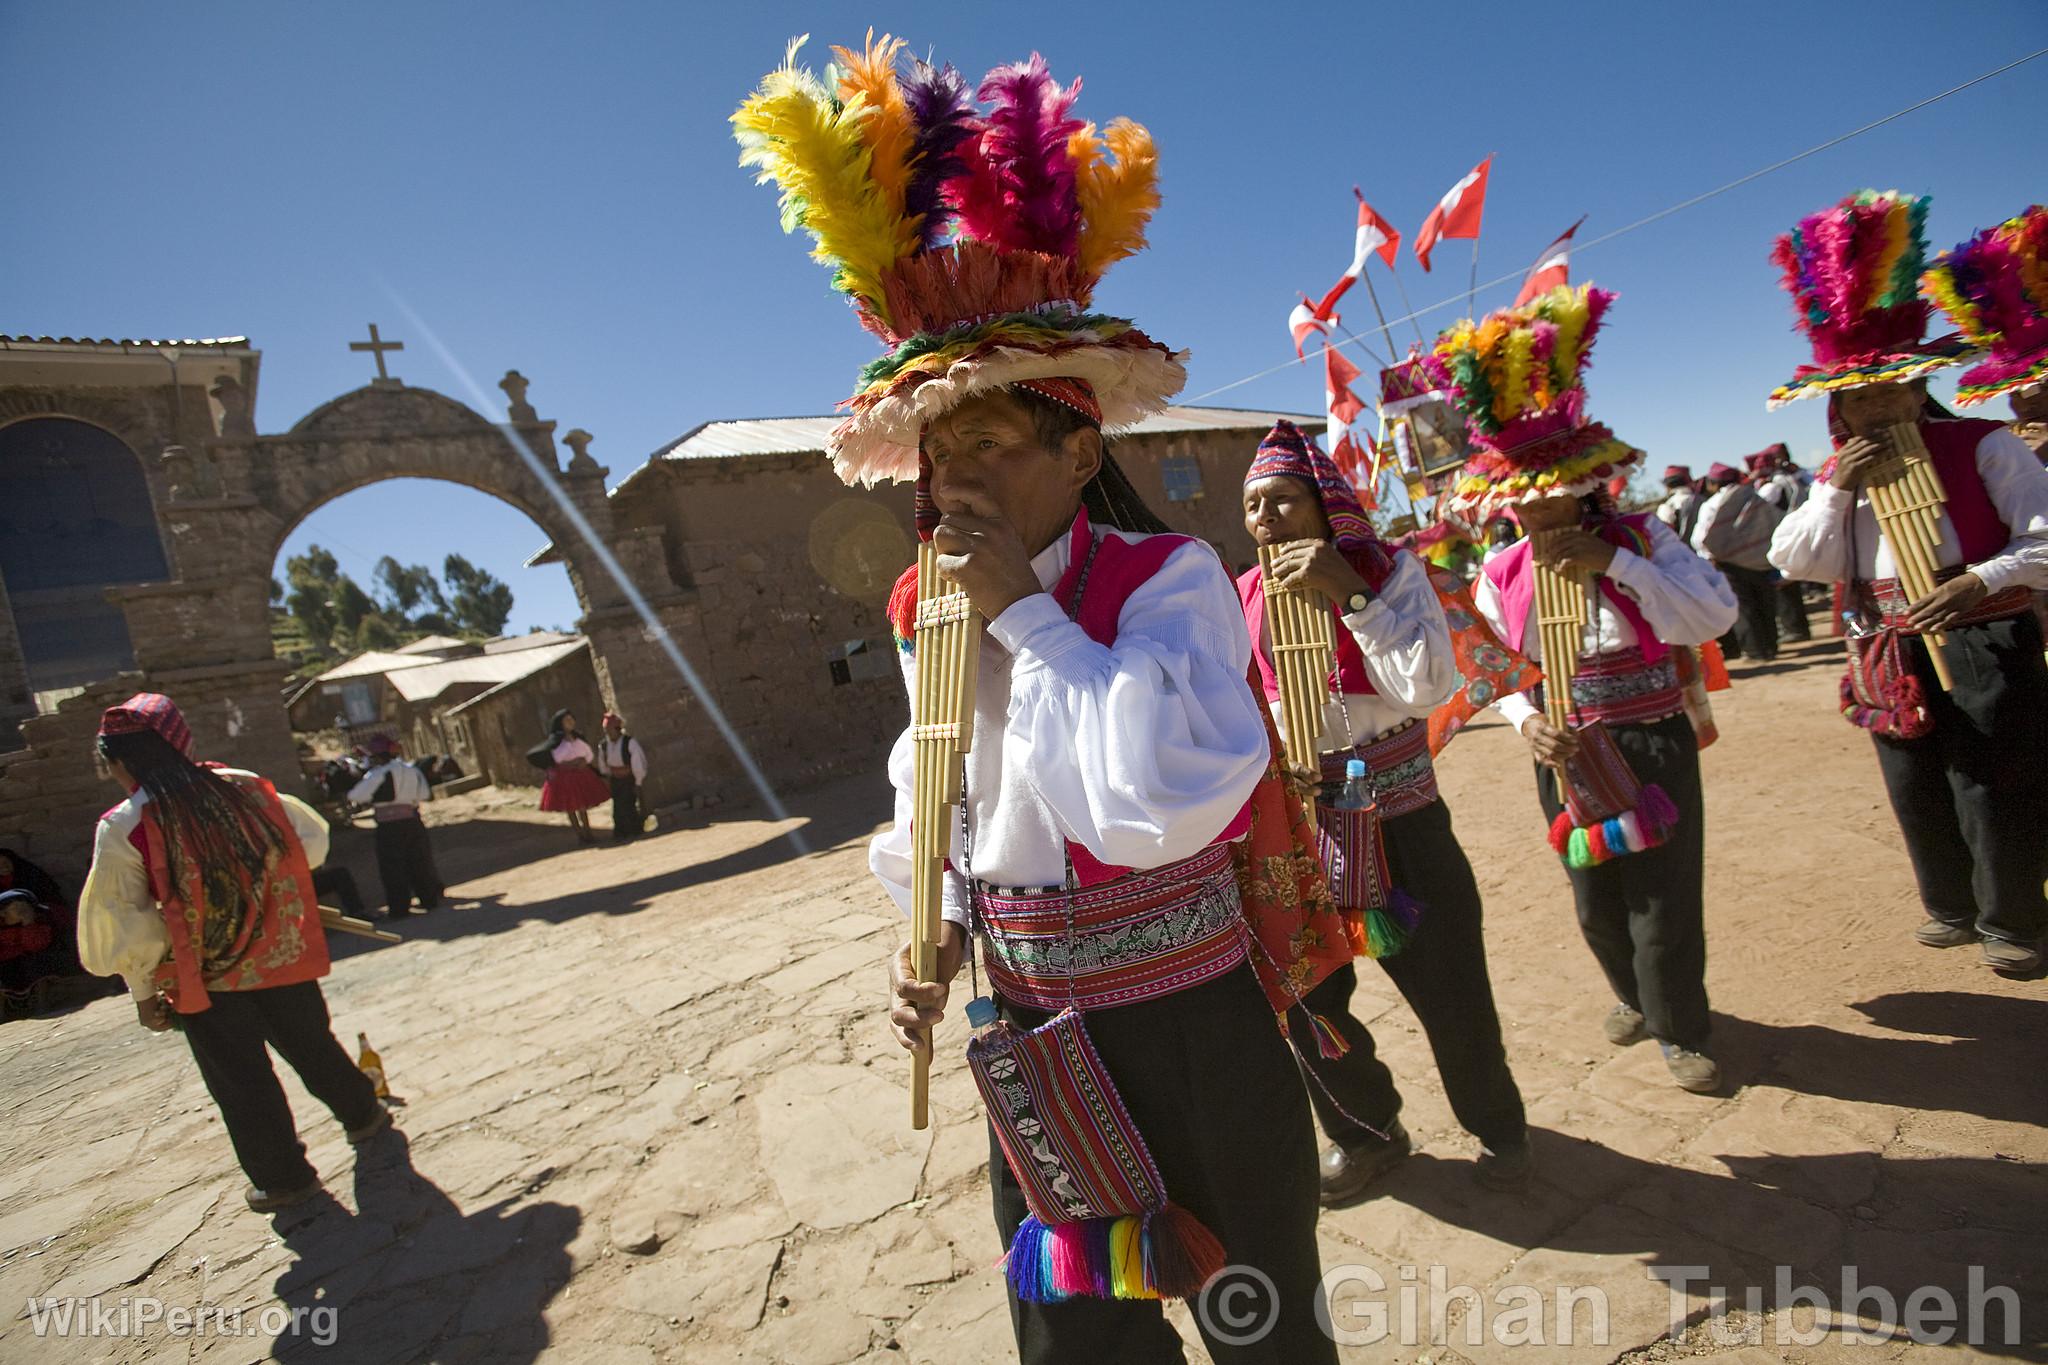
1756,623
405,864
1207,1079
228,1040
1972,797
338,884
1441,973
1792,623
1643,914
626,822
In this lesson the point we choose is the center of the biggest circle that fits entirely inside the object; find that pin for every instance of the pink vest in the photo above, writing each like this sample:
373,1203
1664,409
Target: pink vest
1980,532
1351,675
1511,575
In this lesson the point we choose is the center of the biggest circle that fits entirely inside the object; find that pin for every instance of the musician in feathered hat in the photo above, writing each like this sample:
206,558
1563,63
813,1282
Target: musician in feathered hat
1396,867
1628,818
1964,506
1147,1125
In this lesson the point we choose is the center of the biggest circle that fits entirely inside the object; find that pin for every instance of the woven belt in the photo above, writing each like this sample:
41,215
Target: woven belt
1137,938
1398,762
1892,603
391,813
1621,689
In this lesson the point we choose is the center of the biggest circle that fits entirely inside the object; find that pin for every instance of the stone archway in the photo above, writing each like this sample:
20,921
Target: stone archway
226,504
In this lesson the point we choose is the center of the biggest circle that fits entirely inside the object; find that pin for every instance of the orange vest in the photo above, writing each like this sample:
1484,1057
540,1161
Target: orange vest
282,945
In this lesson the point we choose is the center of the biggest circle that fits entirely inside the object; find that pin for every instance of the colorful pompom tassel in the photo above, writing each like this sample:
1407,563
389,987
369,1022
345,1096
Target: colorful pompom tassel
1180,1254
1388,927
1329,1043
1632,831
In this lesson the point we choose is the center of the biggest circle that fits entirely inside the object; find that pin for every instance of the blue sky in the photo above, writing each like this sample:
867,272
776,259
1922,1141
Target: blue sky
553,188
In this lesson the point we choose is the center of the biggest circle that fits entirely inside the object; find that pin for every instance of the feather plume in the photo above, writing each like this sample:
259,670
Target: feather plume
942,118
1117,194
870,75
811,147
1018,190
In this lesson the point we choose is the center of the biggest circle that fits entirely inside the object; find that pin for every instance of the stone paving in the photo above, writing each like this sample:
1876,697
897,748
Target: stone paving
650,1115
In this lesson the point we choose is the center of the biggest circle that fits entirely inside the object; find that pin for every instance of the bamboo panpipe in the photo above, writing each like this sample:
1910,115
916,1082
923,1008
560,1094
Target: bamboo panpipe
948,660
331,918
1906,495
1560,626
1302,631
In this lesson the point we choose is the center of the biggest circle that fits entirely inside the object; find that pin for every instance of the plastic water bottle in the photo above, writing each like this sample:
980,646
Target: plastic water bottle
1357,792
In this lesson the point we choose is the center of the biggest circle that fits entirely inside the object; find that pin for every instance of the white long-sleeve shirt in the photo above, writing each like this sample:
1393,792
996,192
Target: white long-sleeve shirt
1684,599
408,786
1783,490
120,929
1141,751
624,752
1406,645
1813,541
1675,505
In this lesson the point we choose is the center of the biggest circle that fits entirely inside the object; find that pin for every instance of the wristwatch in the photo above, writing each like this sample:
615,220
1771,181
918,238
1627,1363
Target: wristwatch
1357,602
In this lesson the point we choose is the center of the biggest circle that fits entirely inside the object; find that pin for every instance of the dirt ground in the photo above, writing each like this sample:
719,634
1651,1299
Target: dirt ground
651,1115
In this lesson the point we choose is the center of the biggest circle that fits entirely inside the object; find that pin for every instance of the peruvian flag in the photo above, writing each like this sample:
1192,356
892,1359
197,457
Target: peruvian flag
1552,268
1375,236
1457,214
1343,405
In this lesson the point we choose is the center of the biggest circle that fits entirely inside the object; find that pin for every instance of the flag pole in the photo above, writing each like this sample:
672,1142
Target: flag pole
1472,290
1398,284
1393,351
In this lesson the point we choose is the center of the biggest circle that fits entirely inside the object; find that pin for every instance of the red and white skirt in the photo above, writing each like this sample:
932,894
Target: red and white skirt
577,787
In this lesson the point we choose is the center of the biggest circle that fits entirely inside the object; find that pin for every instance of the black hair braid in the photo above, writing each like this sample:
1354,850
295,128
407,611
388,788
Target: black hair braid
210,825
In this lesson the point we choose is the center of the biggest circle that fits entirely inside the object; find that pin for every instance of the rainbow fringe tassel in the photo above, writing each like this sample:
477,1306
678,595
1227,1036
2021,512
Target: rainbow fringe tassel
1632,831
1165,1254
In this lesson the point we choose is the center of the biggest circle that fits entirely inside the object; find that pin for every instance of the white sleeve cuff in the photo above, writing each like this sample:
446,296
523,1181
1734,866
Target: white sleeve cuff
1996,574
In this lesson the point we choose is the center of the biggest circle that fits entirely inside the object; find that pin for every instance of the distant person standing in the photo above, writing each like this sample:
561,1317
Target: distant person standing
1782,484
394,789
201,896
1734,532
623,761
1680,509
573,785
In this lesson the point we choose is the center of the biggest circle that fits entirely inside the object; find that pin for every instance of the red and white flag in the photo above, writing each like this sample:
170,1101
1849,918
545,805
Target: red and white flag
1457,214
1375,236
1552,268
1343,405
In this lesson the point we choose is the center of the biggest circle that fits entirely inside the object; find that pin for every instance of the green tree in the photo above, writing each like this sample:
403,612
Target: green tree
408,587
276,592
309,594
375,631
477,601
351,604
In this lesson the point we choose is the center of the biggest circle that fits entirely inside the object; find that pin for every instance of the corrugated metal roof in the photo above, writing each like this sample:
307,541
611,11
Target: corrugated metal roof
369,665
798,435
532,661
513,644
428,681
433,644
237,343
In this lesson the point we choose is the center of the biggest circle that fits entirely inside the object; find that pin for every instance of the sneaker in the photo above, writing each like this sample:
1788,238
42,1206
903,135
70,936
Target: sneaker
1505,1171
358,1136
1623,1025
1941,933
1346,1171
1694,1071
266,1201
2015,959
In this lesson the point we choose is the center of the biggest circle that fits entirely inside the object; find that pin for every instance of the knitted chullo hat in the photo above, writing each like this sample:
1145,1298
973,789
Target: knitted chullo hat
1853,271
1995,288
1518,378
969,239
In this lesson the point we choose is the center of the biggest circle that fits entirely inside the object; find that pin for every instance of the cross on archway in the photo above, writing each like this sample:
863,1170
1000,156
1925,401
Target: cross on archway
377,346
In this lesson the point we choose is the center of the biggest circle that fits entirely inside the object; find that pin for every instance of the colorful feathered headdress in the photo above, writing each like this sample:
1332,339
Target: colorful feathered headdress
1853,271
1994,287
1518,378
969,239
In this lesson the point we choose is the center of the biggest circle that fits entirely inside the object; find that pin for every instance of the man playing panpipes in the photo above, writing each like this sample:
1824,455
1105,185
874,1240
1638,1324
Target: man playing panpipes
1147,1124
1418,904
1966,763
1635,872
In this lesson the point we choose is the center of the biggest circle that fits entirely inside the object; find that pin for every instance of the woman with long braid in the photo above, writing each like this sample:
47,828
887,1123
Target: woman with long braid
201,897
